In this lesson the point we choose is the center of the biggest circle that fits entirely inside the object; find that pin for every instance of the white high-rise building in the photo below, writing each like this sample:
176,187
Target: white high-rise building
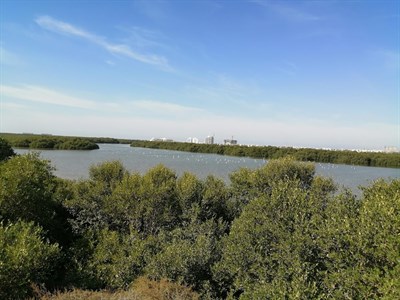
193,140
390,149
209,140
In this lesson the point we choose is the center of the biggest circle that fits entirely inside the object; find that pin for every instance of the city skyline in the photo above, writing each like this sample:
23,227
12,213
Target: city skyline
285,73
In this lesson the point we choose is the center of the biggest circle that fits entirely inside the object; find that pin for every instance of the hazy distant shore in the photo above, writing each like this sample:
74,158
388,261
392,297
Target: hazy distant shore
372,159
348,157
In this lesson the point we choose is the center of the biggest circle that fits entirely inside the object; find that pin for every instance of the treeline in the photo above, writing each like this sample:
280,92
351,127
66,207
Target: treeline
98,140
33,141
373,159
278,232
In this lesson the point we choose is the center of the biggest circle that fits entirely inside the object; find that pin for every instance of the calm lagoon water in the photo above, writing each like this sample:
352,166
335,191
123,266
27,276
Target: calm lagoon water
75,164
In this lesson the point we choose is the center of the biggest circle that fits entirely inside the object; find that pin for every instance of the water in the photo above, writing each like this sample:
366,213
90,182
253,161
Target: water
75,164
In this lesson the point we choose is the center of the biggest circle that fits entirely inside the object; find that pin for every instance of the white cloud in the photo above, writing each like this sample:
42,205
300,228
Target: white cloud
61,27
8,58
125,50
44,95
11,105
137,107
57,26
255,131
145,38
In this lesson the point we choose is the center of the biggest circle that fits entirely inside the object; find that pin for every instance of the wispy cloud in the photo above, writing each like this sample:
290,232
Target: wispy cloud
11,105
57,26
8,58
288,11
39,94
44,95
145,38
308,133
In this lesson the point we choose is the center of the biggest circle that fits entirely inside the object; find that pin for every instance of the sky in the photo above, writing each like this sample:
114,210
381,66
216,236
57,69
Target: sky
321,74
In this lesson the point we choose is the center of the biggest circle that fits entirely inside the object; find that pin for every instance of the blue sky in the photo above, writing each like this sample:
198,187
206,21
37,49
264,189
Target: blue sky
285,73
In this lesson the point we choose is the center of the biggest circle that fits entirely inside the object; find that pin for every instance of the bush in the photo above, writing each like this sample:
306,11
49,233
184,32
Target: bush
25,258
75,144
43,143
117,258
29,191
271,247
277,232
5,150
26,189
118,200
187,254
247,184
364,248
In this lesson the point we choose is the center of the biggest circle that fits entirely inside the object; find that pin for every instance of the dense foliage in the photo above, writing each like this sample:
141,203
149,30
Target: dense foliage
49,142
23,140
272,233
6,150
24,258
375,159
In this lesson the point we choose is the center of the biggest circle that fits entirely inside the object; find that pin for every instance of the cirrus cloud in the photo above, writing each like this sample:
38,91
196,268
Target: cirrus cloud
61,27
40,94
44,95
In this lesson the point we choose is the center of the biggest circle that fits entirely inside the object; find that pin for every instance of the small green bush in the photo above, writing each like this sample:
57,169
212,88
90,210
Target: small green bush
5,150
25,258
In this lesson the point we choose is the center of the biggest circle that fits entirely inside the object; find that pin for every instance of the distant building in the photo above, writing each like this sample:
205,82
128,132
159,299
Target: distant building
209,140
193,140
390,149
230,142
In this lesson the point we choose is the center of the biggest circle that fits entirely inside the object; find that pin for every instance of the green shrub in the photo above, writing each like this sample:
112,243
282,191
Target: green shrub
117,258
247,184
76,144
363,247
43,143
272,246
5,150
29,191
187,254
25,258
26,189
114,199
277,232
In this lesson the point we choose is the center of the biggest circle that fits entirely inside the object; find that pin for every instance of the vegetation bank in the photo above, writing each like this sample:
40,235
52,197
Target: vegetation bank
277,232
373,159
